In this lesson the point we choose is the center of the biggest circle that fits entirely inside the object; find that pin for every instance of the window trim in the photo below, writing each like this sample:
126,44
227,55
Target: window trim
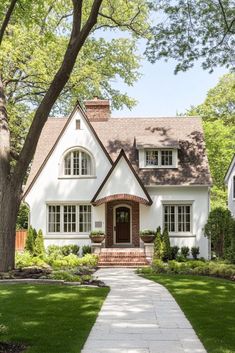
176,204
62,174
62,204
160,165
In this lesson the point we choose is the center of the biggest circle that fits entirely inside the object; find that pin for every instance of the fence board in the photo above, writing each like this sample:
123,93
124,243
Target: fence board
20,239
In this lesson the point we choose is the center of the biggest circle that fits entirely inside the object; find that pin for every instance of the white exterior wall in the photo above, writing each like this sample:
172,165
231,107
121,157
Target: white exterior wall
122,181
152,217
231,200
50,188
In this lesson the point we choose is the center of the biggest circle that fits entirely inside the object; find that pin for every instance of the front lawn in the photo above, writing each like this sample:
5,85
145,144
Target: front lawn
209,304
49,318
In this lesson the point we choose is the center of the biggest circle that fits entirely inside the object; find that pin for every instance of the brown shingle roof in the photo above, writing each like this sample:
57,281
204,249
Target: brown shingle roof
122,133
193,166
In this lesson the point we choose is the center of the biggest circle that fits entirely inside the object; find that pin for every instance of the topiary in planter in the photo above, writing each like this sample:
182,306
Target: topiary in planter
147,235
97,236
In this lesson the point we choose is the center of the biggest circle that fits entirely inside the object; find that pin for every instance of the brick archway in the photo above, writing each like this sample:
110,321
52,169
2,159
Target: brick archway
120,198
109,241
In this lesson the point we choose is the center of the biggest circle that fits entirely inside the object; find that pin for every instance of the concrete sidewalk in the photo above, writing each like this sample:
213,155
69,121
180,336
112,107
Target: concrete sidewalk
139,316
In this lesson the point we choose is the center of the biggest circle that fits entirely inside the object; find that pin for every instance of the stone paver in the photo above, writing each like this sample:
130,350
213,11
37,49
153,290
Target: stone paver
139,316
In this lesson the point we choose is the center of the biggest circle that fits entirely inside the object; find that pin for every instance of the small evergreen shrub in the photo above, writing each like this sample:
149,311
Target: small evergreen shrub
70,249
185,251
174,252
39,248
86,249
29,244
195,252
166,248
158,245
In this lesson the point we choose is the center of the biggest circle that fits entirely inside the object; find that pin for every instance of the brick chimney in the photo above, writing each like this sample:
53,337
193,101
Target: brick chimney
97,109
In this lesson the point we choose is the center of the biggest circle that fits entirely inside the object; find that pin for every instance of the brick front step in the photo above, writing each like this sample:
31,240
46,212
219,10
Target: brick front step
122,258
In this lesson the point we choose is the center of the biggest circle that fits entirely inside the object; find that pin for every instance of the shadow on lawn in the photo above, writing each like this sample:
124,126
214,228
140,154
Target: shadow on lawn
49,319
209,304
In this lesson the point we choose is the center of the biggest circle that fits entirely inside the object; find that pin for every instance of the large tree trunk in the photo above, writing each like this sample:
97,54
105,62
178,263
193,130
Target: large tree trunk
11,182
9,207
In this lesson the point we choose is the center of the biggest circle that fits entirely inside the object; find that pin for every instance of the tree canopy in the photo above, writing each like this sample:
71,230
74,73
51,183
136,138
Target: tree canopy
34,45
218,113
189,30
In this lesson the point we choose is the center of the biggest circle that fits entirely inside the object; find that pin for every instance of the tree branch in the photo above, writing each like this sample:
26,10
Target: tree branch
7,19
77,40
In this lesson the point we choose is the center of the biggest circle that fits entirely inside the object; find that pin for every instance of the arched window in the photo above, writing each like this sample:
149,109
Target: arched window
78,163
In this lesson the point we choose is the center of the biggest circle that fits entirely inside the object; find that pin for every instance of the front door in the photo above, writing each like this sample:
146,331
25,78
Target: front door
122,227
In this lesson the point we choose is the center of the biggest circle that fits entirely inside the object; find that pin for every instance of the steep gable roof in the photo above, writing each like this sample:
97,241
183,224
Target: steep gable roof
50,136
145,200
184,133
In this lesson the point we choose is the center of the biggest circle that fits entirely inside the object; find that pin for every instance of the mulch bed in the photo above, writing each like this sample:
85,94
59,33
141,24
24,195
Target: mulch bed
6,347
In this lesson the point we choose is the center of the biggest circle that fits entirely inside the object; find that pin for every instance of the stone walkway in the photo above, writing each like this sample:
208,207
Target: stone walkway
139,316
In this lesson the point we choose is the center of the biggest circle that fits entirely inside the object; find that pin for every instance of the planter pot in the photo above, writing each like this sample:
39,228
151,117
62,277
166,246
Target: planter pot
97,239
148,238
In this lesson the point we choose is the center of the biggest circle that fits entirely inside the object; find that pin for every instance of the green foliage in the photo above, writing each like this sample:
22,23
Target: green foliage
23,216
184,251
39,248
220,229
25,259
158,245
86,249
166,248
56,250
195,267
147,232
30,240
187,31
218,113
174,252
96,233
195,252
65,276
34,45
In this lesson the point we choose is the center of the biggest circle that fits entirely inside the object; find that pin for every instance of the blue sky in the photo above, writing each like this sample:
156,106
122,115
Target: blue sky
161,93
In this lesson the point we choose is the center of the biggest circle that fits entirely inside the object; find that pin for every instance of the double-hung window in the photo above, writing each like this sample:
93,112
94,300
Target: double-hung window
159,158
69,218
178,218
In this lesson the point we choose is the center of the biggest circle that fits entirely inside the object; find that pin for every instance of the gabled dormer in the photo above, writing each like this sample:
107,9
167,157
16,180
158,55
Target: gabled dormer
154,154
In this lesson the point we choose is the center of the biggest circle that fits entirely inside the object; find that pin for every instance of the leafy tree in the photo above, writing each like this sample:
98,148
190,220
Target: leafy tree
189,30
218,113
42,43
39,248
158,245
23,216
166,248
219,229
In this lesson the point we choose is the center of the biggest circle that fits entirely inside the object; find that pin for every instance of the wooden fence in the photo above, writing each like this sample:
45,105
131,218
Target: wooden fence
20,239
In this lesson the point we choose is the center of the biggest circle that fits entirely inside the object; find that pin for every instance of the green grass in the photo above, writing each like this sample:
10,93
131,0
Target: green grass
49,318
209,304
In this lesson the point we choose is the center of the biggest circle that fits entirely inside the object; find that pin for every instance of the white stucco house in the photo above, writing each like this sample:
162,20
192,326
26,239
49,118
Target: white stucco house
120,175
230,183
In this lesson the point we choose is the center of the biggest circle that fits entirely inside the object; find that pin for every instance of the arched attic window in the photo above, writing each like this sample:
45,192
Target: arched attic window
78,163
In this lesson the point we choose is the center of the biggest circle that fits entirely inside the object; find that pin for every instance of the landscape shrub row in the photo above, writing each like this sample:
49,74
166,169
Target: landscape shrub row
55,260
192,267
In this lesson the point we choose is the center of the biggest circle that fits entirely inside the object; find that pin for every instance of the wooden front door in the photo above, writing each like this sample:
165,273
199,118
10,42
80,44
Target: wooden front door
122,227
